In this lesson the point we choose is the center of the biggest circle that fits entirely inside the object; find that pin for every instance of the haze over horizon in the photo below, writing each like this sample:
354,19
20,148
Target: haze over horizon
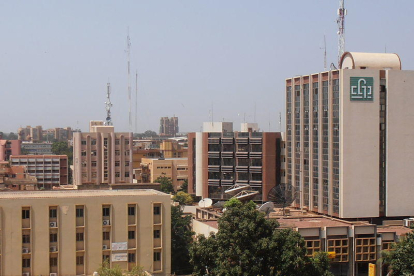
57,57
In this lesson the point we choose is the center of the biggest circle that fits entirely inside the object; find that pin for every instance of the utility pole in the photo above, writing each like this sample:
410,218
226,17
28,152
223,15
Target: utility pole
341,30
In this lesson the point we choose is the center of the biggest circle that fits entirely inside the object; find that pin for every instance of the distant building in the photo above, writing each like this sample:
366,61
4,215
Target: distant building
349,138
16,178
31,148
217,127
175,169
34,134
102,156
38,134
49,170
71,232
168,126
8,148
218,160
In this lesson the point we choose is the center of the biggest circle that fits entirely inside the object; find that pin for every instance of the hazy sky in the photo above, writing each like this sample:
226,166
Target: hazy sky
57,56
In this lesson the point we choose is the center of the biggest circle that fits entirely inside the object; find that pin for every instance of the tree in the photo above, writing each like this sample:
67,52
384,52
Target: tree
249,244
166,184
183,198
12,136
401,259
184,186
105,270
62,148
150,133
181,238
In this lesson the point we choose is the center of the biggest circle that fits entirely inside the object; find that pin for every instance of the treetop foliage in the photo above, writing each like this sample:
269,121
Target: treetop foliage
401,259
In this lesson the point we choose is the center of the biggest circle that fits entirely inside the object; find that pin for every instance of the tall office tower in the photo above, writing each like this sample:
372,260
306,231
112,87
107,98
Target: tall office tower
349,146
168,126
102,156
218,159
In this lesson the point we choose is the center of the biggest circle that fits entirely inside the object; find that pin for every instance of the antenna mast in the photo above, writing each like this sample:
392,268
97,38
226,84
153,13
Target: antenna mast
341,30
108,105
324,52
136,101
129,79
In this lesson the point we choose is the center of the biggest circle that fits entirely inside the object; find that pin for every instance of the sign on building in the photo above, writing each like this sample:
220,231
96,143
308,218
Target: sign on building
119,257
362,88
116,246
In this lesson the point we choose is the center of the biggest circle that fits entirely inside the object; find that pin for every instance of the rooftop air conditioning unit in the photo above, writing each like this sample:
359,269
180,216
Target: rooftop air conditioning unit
105,222
104,247
53,274
25,250
53,249
409,222
26,274
52,224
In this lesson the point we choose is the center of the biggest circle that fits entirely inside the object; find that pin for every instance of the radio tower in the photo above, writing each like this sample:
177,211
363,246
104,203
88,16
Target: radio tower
108,105
341,30
129,79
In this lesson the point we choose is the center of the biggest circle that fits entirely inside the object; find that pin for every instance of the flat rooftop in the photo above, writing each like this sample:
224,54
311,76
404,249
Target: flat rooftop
79,193
315,221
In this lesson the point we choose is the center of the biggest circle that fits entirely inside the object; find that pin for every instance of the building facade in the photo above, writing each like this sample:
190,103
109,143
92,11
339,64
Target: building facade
8,148
168,126
49,170
72,232
218,160
102,156
349,150
34,134
31,148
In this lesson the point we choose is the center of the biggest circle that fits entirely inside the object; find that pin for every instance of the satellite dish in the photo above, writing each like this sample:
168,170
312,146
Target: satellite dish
267,208
246,195
282,195
236,188
205,203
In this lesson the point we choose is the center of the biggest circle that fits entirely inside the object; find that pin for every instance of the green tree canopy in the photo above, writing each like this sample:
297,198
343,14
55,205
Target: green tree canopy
106,270
166,184
401,260
183,198
184,186
181,239
249,244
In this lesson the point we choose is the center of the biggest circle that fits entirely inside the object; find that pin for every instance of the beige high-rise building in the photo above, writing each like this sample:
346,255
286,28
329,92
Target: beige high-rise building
72,232
349,138
102,156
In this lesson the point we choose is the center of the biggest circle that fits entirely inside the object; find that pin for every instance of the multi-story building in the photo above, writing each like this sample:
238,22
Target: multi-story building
349,146
8,148
34,134
16,178
72,232
175,169
31,148
173,149
168,126
102,156
50,170
218,160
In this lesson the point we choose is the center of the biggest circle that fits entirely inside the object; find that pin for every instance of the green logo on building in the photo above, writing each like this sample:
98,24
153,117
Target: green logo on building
362,89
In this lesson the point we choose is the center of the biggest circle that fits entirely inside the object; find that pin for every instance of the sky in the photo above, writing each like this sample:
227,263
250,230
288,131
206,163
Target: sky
191,57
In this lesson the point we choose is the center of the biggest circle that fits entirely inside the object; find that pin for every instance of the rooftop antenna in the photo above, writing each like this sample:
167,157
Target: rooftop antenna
341,30
129,78
136,101
254,119
280,121
108,105
324,52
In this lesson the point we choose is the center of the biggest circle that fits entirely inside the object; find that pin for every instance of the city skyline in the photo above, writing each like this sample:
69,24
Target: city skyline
190,56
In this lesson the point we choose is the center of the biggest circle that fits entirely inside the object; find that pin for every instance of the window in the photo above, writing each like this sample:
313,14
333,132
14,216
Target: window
79,260
126,142
79,236
117,152
105,211
126,174
157,210
26,263
93,163
25,214
131,235
117,163
93,142
53,261
83,153
126,152
106,236
131,210
83,142
93,153
52,213
53,237
157,256
116,141
26,238
131,257
127,164
79,212
157,234
117,174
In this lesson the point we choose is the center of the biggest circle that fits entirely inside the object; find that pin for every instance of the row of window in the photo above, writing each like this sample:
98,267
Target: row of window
93,142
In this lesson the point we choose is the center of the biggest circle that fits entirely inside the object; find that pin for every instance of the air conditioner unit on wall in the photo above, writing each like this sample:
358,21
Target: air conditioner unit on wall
53,274
104,247
105,222
25,250
26,274
52,224
53,249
